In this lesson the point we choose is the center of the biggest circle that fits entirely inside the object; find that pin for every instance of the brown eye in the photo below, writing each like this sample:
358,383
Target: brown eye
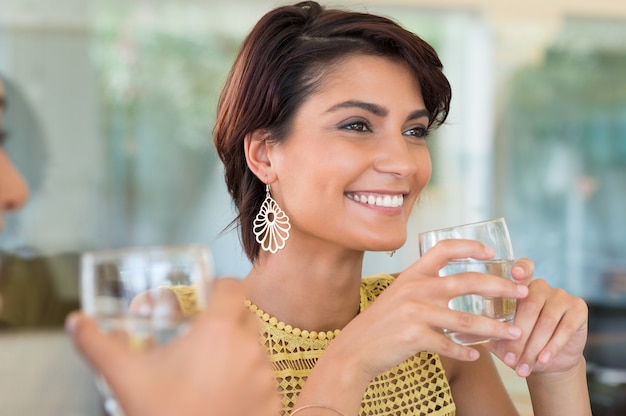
417,132
356,125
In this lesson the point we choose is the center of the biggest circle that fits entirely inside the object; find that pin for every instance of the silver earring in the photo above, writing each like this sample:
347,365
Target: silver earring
271,225
391,253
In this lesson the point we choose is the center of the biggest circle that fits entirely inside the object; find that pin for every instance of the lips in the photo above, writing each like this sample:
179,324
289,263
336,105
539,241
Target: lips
380,200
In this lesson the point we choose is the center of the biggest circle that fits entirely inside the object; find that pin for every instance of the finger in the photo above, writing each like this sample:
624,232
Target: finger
523,270
528,313
103,352
443,345
569,325
478,325
557,323
481,284
446,250
544,329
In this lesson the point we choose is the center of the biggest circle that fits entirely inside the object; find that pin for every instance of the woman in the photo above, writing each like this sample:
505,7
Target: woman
322,127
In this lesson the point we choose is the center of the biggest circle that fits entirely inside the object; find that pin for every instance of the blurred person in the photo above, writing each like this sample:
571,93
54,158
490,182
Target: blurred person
13,187
30,290
217,365
323,128
30,357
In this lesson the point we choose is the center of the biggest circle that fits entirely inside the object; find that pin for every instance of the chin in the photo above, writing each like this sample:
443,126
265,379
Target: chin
379,245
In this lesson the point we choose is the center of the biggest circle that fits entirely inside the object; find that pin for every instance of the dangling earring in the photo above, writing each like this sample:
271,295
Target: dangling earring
271,225
391,253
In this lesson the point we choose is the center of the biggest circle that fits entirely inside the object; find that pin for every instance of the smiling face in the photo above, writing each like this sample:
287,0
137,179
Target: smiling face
356,158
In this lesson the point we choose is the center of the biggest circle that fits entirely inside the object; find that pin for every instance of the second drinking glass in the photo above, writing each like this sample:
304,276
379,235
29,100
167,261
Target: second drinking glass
134,292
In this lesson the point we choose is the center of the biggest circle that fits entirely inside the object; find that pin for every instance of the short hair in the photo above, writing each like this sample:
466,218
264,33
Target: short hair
282,62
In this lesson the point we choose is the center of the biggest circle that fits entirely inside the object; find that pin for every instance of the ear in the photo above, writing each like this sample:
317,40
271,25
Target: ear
257,151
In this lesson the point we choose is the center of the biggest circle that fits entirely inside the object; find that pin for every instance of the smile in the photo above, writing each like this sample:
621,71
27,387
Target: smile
387,201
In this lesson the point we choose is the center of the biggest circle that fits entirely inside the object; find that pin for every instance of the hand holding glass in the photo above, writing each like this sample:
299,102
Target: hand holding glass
130,292
493,233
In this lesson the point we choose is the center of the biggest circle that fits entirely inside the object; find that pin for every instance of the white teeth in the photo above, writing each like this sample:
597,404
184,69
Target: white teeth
387,201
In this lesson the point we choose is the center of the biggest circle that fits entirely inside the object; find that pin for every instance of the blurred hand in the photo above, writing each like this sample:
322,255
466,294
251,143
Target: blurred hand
554,328
217,368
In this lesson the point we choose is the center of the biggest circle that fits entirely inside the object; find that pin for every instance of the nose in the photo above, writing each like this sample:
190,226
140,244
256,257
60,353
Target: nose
398,157
13,187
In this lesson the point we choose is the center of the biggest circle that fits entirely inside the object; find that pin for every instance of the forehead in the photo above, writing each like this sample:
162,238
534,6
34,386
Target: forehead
369,76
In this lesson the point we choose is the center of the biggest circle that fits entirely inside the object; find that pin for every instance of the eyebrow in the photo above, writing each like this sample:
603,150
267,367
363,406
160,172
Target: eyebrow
372,108
375,109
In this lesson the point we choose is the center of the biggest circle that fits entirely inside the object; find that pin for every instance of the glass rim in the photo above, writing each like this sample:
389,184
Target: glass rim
460,226
198,253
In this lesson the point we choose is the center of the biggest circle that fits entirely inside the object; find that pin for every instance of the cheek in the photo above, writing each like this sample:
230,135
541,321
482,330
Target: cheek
312,169
425,172
424,169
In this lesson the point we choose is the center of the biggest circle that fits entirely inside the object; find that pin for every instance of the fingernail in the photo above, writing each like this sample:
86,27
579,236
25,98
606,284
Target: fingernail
509,358
490,251
514,331
70,322
517,270
522,290
523,370
474,354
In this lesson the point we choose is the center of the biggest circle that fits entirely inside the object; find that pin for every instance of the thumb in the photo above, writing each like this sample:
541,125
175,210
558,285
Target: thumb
103,352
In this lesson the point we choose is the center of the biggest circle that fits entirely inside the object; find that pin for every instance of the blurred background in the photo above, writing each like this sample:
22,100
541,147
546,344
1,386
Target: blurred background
111,106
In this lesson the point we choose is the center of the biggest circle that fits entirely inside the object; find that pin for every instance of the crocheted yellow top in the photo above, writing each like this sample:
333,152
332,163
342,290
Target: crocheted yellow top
417,386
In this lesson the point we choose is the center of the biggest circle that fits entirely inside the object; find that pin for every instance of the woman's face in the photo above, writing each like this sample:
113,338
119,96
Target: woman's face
13,188
356,159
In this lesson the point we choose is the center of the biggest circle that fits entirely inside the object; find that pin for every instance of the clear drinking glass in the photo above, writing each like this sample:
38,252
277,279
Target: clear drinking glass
130,291
493,233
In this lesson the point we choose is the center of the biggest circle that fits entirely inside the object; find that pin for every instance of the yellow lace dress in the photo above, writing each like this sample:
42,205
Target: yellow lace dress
416,387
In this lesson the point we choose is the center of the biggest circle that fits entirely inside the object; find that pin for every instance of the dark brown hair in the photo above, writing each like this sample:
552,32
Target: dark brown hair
282,62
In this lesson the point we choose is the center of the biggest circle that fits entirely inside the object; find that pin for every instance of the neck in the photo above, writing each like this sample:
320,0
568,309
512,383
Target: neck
314,292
